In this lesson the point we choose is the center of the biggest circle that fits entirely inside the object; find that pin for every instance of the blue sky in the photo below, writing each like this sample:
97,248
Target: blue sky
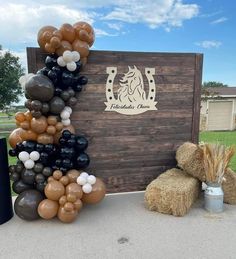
206,26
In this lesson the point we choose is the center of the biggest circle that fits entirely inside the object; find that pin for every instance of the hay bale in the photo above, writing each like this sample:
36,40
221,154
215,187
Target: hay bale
173,192
229,187
189,158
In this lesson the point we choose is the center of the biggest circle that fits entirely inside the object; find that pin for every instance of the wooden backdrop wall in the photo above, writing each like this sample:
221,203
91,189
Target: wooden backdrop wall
130,151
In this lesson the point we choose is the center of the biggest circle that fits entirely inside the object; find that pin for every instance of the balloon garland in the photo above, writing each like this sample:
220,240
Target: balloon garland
48,176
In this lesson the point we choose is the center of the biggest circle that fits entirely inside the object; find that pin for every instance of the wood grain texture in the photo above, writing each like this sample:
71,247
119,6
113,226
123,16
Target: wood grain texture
130,151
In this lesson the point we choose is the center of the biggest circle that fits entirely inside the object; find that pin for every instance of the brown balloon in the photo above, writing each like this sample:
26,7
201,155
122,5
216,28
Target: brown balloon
82,47
45,138
48,209
20,117
55,42
73,174
65,45
59,126
71,197
30,135
75,189
49,48
68,206
52,120
54,190
65,216
28,116
85,32
51,130
25,125
62,200
39,125
78,205
64,180
97,194
68,32
42,40
57,174
17,135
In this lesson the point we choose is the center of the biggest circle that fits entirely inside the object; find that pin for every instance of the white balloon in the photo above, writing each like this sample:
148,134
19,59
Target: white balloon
34,155
61,62
87,188
67,108
24,156
76,56
65,115
29,164
66,122
71,66
91,179
67,56
85,175
81,180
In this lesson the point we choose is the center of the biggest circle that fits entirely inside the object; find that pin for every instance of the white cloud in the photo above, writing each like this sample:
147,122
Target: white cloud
167,13
115,26
220,20
100,33
209,44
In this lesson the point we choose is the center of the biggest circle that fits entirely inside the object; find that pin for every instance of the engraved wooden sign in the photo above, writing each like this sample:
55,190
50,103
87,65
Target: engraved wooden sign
136,116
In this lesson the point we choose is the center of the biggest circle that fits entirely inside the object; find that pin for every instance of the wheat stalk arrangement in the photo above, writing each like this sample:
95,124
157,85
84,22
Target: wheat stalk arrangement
216,159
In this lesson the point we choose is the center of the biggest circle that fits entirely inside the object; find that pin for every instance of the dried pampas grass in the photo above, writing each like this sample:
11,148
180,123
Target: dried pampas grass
173,192
216,159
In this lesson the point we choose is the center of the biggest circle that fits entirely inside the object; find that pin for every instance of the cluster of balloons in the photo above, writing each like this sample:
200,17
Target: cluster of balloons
78,37
47,176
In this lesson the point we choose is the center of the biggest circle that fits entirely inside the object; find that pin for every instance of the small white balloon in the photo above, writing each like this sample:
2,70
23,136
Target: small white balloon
24,156
67,108
91,179
29,164
61,62
81,180
71,66
76,56
85,175
65,115
87,188
66,122
67,56
34,155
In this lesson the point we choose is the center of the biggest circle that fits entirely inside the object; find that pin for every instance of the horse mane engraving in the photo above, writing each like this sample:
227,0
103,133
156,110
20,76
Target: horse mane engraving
132,87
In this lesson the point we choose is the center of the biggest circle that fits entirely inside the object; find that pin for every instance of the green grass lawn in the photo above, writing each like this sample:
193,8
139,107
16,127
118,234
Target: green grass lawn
227,138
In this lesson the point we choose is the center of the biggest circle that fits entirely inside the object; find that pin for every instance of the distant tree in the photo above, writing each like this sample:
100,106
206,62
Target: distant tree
213,84
10,72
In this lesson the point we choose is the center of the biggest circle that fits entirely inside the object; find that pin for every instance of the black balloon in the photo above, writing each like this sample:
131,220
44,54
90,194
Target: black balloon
38,168
29,146
19,187
50,62
81,143
15,176
26,204
56,105
82,161
71,142
83,80
67,78
36,105
66,134
53,76
28,176
19,147
40,186
58,162
65,95
39,87
19,167
78,88
47,171
44,158
40,178
39,147
45,108
57,91
12,152
44,71
72,101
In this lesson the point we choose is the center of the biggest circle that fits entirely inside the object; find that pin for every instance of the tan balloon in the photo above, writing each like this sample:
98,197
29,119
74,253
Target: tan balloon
71,198
48,209
28,116
85,32
69,206
30,135
65,45
45,138
17,135
64,180
57,174
65,216
82,47
39,125
73,174
68,32
97,194
52,120
20,117
75,189
49,48
78,205
62,200
42,40
51,130
54,190
25,125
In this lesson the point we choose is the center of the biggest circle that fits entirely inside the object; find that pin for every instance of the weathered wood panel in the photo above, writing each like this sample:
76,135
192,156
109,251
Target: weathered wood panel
129,151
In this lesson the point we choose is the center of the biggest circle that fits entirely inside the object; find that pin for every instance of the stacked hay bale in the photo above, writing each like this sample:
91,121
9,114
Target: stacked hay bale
189,158
173,192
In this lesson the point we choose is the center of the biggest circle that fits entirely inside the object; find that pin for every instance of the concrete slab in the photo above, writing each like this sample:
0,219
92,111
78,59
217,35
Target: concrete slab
121,227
